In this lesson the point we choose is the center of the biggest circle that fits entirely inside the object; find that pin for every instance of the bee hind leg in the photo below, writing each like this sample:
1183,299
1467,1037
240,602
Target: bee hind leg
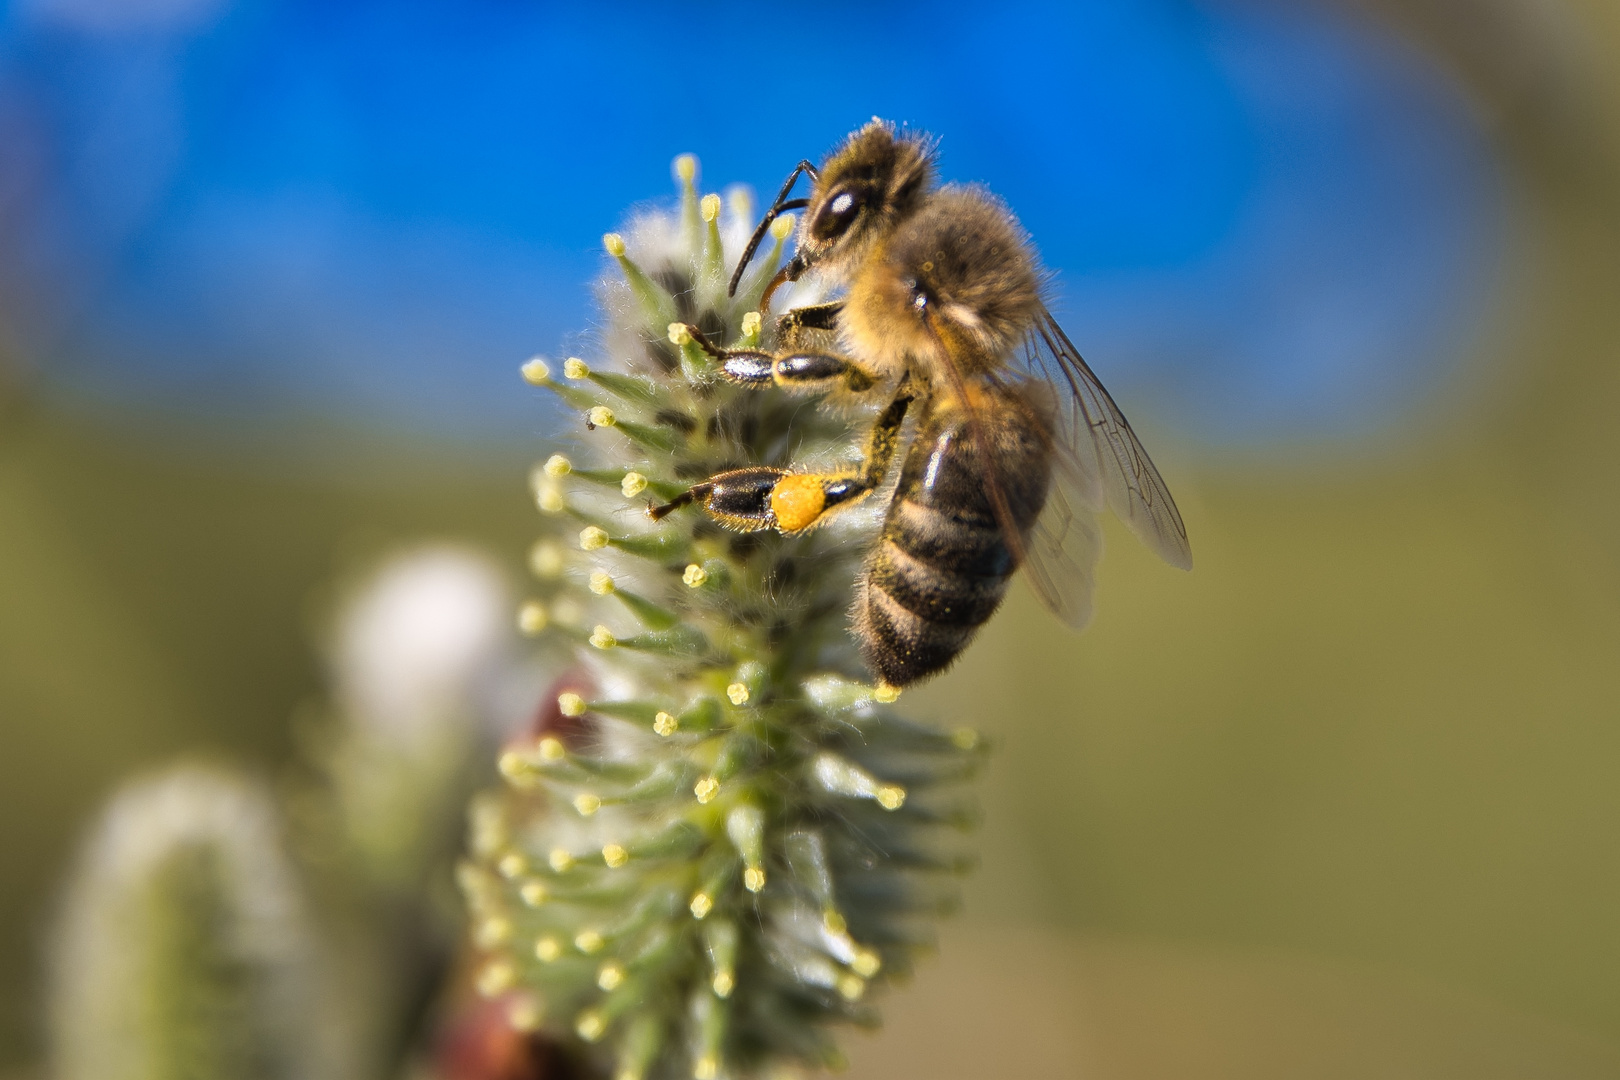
760,497
764,497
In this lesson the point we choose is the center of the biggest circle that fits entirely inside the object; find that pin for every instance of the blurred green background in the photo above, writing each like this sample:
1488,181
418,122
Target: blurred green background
1342,802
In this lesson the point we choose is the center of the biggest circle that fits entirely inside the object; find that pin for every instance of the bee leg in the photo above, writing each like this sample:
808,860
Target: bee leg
761,497
798,371
795,321
740,498
808,372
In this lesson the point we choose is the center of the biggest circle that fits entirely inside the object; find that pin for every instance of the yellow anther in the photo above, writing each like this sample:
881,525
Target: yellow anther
491,932
512,865
706,789
833,921
665,724
547,949
549,498
615,855
965,738
601,582
601,416
741,202
610,975
706,1067
603,638
496,978
575,368
556,465
724,983
590,1025
561,860
686,167
614,244
592,538
709,207
851,987
513,765
570,704
588,941
534,893
536,372
750,324
866,963
782,226
633,484
753,879
846,778
525,1013
694,575
885,693
546,560
701,905
679,334
551,747
532,617
738,693
587,804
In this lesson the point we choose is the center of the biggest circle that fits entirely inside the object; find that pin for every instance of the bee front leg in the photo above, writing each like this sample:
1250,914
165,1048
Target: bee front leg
762,497
794,323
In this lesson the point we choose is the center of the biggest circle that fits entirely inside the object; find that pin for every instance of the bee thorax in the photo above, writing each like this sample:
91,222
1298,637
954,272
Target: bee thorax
956,281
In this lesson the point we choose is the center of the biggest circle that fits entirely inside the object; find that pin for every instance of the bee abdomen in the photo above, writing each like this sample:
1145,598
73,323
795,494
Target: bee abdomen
933,592
932,582
970,545
943,562
899,645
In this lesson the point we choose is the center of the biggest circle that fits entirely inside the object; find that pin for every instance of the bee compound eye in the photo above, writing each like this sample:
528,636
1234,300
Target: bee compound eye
838,214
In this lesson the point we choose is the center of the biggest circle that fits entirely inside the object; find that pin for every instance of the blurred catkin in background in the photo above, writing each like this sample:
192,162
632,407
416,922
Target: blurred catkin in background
185,948
1342,798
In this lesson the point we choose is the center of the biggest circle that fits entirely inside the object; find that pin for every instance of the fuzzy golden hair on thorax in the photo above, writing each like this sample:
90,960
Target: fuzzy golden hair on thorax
960,268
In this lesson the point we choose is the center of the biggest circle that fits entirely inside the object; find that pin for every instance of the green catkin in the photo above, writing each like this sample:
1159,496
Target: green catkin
726,837
183,950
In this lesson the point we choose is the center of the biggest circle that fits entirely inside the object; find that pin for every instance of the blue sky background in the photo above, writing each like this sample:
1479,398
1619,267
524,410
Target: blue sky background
1268,223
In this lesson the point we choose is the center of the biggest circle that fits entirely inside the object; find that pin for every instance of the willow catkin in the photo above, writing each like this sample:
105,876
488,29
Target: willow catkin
721,835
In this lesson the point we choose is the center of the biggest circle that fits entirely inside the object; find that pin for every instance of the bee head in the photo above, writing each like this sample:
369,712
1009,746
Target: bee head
864,189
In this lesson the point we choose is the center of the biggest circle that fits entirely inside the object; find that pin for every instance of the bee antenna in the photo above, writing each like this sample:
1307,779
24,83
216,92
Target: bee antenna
781,206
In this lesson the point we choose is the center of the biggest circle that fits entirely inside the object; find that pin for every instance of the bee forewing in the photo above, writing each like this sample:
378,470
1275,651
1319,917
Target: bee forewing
1089,423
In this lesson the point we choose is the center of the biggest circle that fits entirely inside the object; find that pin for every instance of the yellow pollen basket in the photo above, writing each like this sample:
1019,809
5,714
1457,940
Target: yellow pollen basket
797,501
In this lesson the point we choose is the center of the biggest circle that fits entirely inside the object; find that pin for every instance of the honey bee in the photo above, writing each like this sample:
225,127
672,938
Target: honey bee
1016,446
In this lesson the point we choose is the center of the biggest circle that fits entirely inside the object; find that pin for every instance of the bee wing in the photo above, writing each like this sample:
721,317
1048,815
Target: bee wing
1061,560
1105,461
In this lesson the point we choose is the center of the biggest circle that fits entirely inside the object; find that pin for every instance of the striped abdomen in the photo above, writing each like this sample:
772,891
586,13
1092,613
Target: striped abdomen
941,565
